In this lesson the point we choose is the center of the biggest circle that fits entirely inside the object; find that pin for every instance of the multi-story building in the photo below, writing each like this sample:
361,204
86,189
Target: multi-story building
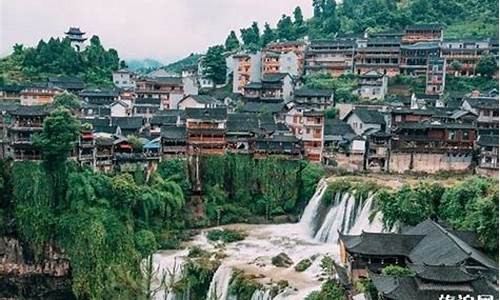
206,130
372,85
173,140
488,155
415,57
485,107
422,33
313,99
380,54
277,86
124,79
432,146
38,95
169,89
312,135
77,38
71,84
334,57
292,66
99,96
274,62
146,107
87,146
435,79
246,69
26,121
462,55
378,149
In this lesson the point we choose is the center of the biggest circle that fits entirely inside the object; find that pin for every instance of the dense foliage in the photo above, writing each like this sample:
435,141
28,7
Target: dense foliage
226,235
178,66
58,57
237,187
397,271
468,205
343,85
214,64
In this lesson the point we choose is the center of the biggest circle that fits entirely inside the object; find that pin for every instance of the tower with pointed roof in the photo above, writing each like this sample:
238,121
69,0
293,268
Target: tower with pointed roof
77,38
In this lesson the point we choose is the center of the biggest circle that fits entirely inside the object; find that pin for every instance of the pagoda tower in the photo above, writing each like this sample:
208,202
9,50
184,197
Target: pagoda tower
77,38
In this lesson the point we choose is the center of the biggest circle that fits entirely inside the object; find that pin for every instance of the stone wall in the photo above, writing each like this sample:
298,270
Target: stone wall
429,162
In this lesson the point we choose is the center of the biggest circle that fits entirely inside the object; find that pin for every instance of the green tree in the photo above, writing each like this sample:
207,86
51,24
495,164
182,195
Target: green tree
214,64
456,66
251,36
299,25
232,42
285,30
68,101
397,271
60,132
487,65
268,35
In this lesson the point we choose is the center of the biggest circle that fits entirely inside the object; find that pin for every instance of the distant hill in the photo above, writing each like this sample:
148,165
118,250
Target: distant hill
139,64
176,67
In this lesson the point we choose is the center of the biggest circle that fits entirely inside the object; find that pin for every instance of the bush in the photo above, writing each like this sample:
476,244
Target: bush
397,271
303,265
226,235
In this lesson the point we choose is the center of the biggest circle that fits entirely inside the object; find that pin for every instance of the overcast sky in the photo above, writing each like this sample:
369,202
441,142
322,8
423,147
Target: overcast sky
161,29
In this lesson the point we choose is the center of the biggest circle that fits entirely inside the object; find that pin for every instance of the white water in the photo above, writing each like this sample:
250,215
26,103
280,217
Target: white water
219,287
299,241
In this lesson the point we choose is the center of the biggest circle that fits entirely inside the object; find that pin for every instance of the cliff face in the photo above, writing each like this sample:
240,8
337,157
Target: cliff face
21,277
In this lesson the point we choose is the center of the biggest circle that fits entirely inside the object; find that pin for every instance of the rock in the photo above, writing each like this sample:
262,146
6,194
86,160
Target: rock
282,260
302,265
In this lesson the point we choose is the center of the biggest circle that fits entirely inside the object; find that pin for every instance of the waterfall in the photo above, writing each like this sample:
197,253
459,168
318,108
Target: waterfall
308,219
261,295
219,287
347,215
169,271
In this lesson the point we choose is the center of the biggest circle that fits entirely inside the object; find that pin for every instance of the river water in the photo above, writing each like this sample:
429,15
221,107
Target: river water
315,235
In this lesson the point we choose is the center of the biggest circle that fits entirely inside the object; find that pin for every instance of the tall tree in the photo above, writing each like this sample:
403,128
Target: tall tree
298,23
268,35
331,20
487,66
67,100
214,64
232,42
285,29
251,35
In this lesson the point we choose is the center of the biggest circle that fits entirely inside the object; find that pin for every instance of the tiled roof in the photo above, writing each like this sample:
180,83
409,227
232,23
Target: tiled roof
204,99
66,82
368,116
173,133
483,102
306,92
263,106
33,110
127,122
442,273
219,113
377,243
338,127
421,46
147,102
424,27
274,78
99,93
488,140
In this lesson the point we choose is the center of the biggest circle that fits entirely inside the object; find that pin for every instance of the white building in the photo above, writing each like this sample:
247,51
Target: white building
124,79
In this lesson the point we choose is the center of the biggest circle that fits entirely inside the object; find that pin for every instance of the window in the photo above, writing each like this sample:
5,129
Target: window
452,135
465,135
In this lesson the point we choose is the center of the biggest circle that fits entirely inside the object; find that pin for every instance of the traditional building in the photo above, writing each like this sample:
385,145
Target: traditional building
124,79
485,107
435,79
76,38
246,69
292,64
432,146
198,101
242,129
378,152
169,89
282,145
104,152
379,54
87,146
335,57
38,95
422,33
71,84
99,96
312,135
206,130
488,155
435,282
313,99
146,107
372,86
170,117
415,57
428,243
11,92
173,141
26,121
274,62
277,86
364,120
462,55
128,125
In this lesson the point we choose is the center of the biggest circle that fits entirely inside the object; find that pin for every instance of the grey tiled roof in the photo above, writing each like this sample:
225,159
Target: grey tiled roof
219,113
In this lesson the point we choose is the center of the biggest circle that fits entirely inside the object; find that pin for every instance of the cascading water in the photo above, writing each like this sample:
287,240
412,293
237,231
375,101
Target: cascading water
314,236
308,219
219,287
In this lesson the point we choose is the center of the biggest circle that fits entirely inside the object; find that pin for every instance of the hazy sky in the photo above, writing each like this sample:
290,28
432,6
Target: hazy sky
161,29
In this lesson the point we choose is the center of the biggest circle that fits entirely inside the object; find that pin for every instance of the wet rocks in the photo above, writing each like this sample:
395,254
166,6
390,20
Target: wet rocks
282,260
